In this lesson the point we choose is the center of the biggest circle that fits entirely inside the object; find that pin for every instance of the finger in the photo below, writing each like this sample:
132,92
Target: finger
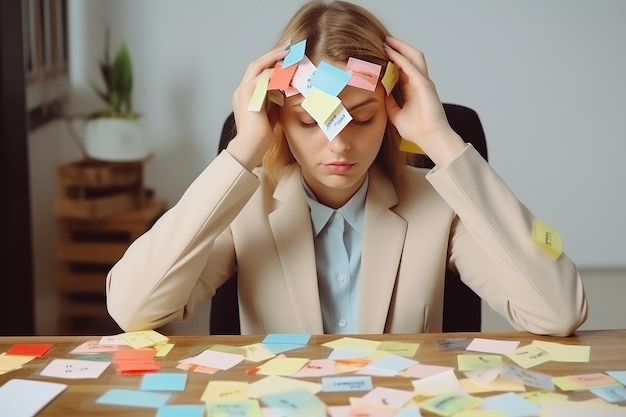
268,60
408,53
392,108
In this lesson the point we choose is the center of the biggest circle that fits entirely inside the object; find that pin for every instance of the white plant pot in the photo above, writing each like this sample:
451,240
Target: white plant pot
115,140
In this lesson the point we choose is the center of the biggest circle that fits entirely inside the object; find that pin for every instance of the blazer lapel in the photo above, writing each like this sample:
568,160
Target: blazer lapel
385,233
291,227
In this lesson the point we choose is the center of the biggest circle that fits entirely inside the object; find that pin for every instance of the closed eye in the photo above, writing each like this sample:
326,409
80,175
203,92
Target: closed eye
307,125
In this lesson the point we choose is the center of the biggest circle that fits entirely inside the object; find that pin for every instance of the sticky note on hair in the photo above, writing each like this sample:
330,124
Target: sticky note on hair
330,79
296,53
410,147
548,239
302,78
391,76
364,74
260,90
281,77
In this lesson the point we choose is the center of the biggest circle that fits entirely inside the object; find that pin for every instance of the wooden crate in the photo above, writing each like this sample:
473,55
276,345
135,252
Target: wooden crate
94,189
85,252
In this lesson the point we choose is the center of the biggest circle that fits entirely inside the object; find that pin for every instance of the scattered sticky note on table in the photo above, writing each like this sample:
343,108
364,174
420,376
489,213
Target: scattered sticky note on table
144,338
257,352
467,362
584,381
295,402
385,396
92,346
548,239
529,356
215,359
399,348
512,404
11,362
275,383
449,404
353,343
74,369
453,343
25,398
440,383
282,366
38,350
181,410
347,383
492,345
225,390
133,398
164,382
317,367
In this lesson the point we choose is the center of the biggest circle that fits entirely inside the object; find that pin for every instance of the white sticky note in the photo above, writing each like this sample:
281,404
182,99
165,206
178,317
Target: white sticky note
25,398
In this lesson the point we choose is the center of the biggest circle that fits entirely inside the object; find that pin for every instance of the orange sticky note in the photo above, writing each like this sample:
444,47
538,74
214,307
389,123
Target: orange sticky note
38,350
281,77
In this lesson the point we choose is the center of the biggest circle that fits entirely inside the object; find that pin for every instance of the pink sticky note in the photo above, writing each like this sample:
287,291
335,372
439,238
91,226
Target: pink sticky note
364,74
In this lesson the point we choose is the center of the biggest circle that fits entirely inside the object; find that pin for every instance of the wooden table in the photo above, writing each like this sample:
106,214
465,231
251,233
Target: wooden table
608,352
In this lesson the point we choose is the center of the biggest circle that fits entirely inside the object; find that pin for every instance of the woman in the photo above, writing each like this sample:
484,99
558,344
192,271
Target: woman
341,235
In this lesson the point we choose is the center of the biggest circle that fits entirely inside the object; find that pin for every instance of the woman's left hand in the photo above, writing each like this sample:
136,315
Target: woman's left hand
421,119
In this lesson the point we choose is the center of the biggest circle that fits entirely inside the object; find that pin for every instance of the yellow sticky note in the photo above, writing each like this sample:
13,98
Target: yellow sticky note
468,362
282,366
565,353
245,407
529,356
11,362
225,390
410,147
399,348
144,338
260,91
257,352
353,343
450,404
163,349
498,384
320,105
544,397
274,383
548,239
391,76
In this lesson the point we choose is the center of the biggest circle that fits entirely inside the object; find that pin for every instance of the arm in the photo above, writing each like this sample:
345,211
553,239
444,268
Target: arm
158,278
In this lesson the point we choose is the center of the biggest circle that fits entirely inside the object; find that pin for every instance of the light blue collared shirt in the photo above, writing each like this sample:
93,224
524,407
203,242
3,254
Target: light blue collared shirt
338,242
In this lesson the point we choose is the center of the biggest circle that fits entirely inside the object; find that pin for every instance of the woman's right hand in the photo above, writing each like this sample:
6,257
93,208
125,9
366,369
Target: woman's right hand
255,129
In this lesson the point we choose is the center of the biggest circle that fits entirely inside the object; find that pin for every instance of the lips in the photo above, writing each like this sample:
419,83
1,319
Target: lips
338,167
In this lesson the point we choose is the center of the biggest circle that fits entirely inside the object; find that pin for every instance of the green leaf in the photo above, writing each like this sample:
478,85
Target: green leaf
121,77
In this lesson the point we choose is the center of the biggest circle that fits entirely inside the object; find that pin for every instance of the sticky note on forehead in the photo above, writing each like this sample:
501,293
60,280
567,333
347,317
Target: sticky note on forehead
392,74
330,79
548,239
320,105
364,74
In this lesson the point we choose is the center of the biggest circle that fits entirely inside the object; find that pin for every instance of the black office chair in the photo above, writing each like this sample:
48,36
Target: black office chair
461,306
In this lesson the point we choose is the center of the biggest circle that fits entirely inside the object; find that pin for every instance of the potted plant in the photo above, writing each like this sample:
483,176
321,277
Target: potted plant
114,133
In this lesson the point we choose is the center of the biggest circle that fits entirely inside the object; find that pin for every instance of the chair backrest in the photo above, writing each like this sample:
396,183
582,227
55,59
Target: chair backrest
461,306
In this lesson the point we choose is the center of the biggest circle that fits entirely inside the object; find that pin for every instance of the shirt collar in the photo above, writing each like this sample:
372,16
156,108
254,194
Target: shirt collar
353,211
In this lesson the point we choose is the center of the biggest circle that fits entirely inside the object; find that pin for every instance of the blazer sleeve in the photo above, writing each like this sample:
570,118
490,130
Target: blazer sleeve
158,279
491,246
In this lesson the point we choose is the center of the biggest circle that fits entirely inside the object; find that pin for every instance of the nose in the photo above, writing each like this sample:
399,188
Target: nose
339,144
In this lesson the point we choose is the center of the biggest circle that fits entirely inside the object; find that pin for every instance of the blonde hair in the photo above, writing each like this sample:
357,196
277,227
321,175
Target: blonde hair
336,31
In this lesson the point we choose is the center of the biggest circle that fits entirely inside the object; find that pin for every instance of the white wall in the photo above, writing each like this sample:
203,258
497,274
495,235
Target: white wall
545,77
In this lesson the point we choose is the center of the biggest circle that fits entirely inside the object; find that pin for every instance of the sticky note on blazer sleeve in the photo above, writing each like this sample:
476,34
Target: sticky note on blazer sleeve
548,239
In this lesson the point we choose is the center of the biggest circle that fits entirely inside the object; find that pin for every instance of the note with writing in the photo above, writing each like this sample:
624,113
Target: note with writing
74,369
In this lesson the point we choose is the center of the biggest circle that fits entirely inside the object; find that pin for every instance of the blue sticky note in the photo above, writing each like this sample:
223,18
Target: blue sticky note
618,375
287,338
181,410
133,398
512,404
347,383
330,79
615,394
164,382
295,55
277,348
294,401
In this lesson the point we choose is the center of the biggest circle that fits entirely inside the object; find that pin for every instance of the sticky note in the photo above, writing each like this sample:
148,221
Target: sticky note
144,338
225,390
548,239
347,383
38,350
364,74
260,91
295,54
302,78
473,362
164,382
295,402
399,348
320,105
282,366
330,79
275,383
479,344
512,404
316,368
337,121
353,343
74,369
410,147
391,77
25,398
133,398
181,410
449,404
247,408
281,77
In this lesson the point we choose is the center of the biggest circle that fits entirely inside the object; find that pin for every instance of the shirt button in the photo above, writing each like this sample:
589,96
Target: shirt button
342,323
341,278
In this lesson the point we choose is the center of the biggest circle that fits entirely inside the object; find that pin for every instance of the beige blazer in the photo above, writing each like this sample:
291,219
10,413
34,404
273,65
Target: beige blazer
231,219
